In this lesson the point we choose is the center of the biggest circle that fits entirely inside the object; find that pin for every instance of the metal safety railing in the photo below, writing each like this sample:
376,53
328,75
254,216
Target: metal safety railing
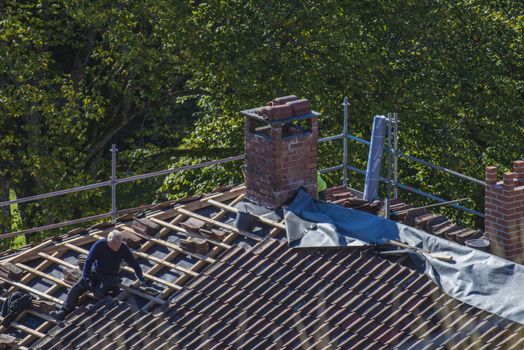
421,161
113,183
398,154
345,137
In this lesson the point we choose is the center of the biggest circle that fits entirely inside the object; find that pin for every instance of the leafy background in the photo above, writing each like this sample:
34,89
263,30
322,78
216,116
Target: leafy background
165,81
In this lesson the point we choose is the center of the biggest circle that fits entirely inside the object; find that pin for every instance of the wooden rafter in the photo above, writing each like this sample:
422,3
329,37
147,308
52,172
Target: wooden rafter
219,224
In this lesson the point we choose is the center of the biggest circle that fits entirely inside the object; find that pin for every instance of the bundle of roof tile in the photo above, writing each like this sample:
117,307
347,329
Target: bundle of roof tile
197,245
213,233
10,271
43,306
400,211
193,224
71,276
338,194
131,239
443,227
145,226
363,205
346,198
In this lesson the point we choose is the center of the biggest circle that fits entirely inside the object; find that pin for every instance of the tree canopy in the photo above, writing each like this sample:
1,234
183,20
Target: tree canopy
167,79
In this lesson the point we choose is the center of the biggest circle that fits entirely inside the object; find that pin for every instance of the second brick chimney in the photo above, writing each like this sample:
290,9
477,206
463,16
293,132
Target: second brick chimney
280,150
504,212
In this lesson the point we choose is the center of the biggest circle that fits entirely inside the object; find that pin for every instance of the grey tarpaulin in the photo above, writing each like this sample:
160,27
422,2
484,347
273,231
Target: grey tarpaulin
248,211
258,210
474,277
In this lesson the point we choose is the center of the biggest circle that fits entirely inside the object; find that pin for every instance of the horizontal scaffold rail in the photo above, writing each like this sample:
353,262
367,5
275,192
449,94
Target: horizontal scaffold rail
122,180
421,193
422,161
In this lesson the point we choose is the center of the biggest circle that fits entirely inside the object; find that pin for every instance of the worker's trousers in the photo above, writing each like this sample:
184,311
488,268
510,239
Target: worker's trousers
99,284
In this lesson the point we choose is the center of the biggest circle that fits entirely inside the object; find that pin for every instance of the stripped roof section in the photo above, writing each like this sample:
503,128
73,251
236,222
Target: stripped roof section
166,262
420,218
275,297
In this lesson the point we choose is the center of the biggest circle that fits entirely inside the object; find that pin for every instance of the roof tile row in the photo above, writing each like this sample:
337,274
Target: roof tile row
274,297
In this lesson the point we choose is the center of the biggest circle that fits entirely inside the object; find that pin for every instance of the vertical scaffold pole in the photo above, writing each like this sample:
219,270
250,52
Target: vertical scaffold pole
345,140
395,164
114,209
388,195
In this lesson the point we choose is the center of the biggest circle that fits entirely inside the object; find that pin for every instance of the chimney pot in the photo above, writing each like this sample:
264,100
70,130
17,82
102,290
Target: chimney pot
276,112
282,100
300,107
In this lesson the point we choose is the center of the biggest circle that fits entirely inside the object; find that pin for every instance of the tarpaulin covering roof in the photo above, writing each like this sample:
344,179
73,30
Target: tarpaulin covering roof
474,277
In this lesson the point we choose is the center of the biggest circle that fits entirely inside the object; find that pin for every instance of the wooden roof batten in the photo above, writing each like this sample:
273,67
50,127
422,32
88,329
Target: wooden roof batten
50,254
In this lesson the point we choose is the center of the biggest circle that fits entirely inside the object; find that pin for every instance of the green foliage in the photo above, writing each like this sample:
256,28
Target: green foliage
452,70
76,76
165,80
16,222
16,219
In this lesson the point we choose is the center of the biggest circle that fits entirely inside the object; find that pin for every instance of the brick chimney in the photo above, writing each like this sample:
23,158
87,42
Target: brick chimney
280,150
504,213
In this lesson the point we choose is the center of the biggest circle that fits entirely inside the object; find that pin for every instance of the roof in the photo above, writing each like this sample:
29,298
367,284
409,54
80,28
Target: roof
249,290
420,218
169,263
275,297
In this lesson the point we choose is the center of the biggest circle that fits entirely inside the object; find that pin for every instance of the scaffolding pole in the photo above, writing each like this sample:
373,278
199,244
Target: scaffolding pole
388,194
345,142
395,159
114,210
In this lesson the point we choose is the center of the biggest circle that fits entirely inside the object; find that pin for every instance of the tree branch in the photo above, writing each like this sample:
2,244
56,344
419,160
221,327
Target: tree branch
96,148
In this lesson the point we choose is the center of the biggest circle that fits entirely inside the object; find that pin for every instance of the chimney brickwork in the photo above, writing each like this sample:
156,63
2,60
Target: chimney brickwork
280,151
504,212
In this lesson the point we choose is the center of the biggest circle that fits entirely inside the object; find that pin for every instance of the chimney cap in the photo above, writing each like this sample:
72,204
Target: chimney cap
252,113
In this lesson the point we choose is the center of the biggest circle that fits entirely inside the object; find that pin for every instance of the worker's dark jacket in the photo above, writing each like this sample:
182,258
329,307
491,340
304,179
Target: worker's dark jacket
102,260
100,273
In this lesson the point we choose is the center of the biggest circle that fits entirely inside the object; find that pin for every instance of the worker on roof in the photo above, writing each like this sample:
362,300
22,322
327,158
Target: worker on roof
321,187
100,272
